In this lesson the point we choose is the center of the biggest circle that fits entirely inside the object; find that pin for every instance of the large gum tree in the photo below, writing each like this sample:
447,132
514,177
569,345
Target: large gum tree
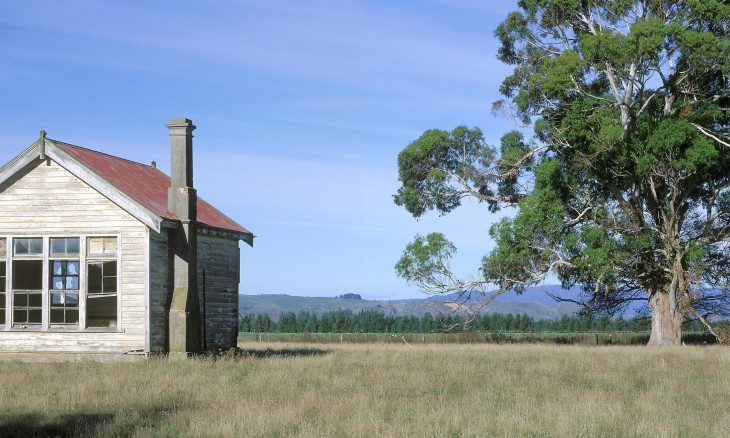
623,185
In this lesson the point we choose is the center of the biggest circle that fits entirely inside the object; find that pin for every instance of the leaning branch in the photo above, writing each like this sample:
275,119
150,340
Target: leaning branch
713,135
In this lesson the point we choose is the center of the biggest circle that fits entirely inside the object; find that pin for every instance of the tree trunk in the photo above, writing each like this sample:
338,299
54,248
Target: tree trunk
666,325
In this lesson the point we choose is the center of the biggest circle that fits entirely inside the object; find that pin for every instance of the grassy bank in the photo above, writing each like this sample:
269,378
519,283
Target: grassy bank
380,390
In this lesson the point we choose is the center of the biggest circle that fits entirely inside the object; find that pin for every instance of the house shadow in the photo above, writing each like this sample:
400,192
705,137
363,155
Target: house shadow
82,424
35,425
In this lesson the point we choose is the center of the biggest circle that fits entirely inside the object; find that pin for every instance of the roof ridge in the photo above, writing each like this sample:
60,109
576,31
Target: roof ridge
103,153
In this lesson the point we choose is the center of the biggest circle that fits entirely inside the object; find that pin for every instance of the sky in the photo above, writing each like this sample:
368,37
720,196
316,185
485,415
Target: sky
301,110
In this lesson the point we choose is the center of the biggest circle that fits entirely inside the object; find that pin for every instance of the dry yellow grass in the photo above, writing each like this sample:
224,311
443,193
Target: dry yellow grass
381,390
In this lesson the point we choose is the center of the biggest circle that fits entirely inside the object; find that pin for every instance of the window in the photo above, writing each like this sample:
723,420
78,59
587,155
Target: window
27,291
29,246
102,247
101,297
65,292
3,277
64,279
48,280
65,246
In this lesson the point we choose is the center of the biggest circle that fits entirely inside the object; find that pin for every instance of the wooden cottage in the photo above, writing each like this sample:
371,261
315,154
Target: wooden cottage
99,254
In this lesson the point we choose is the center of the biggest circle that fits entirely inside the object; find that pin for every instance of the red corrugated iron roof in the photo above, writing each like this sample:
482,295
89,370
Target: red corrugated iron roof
145,184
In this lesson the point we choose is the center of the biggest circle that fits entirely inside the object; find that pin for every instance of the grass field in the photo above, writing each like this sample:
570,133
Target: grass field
379,390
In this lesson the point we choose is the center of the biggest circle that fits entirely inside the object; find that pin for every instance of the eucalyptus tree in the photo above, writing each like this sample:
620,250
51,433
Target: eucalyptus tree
622,185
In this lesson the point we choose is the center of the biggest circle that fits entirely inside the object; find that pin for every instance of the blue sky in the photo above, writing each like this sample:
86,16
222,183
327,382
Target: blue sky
301,109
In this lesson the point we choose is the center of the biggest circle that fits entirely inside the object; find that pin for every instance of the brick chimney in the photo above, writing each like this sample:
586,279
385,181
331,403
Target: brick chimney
184,314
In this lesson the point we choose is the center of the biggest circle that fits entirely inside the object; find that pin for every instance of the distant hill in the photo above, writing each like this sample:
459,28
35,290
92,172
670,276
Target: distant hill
274,305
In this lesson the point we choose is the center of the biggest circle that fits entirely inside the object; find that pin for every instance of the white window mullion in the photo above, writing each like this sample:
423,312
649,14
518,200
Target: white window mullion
46,306
119,254
9,282
8,293
82,284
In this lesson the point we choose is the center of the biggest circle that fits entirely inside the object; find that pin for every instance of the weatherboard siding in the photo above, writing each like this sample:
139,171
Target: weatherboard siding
219,258
43,199
159,290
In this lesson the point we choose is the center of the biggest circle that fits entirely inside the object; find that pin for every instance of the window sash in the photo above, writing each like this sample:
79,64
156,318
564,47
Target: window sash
28,246
101,247
64,292
63,297
65,246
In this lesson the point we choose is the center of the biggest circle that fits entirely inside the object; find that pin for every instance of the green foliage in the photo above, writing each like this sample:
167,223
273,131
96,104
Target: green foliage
425,258
624,187
428,167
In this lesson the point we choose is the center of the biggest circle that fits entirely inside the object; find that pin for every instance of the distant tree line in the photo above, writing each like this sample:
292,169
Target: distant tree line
372,321
350,296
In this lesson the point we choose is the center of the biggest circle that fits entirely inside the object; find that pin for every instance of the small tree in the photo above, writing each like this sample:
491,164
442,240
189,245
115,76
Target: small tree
624,187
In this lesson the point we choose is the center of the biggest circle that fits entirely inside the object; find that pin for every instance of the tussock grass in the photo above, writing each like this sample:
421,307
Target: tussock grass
379,390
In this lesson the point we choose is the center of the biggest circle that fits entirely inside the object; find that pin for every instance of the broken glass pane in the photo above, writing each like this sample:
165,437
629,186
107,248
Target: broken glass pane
58,268
72,268
57,298
58,283
72,283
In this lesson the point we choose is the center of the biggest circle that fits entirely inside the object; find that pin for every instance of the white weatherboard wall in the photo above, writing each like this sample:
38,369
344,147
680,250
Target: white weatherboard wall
44,199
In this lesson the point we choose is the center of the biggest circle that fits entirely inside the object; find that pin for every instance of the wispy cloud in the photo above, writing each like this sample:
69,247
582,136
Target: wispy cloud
375,45
301,107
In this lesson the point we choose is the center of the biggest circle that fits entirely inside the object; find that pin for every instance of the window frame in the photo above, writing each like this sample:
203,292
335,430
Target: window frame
47,259
64,258
4,309
103,257
14,257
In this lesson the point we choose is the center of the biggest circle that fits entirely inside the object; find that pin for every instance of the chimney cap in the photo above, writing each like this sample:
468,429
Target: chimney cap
174,123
